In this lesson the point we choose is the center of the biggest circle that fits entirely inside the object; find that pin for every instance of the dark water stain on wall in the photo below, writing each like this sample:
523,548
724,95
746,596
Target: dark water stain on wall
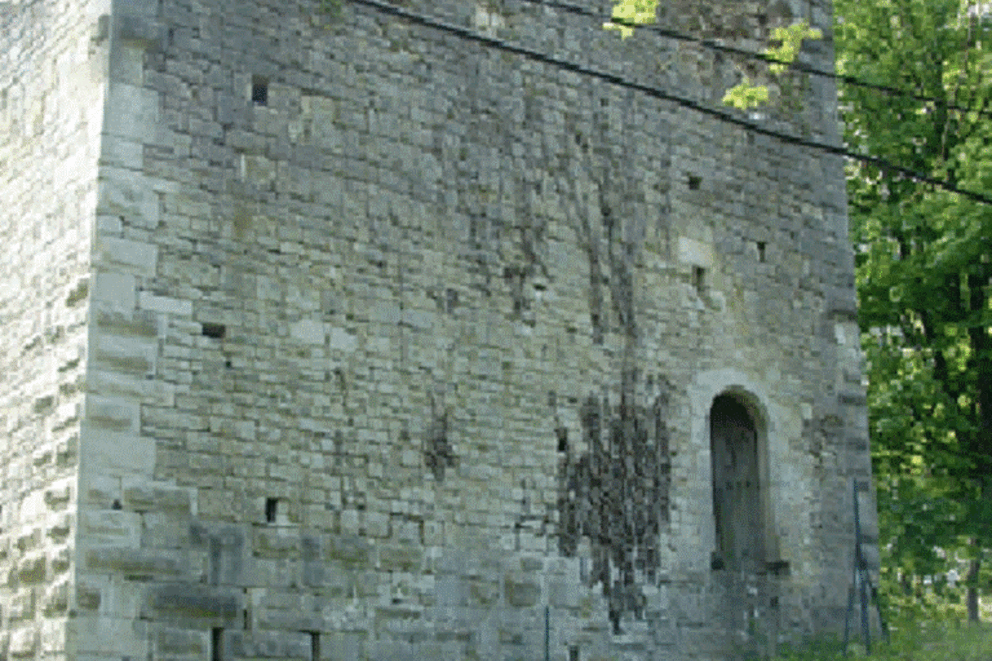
616,494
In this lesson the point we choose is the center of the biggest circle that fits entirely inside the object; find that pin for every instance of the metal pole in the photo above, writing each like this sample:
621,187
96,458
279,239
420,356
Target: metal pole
863,571
547,633
850,610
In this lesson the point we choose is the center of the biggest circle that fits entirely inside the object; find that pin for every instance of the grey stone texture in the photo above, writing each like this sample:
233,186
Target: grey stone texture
336,336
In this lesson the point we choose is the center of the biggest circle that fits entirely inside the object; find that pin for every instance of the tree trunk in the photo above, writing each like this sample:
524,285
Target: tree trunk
972,597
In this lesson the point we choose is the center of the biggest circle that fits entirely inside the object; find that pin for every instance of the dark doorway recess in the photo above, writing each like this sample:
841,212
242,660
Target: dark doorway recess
737,510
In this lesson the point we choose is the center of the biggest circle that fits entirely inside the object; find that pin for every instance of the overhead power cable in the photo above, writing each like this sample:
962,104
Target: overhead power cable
716,45
620,81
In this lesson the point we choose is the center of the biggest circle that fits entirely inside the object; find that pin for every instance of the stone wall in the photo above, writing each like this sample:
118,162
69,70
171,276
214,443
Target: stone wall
401,346
51,105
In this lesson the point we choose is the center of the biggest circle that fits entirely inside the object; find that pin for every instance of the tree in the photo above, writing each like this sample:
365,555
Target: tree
924,277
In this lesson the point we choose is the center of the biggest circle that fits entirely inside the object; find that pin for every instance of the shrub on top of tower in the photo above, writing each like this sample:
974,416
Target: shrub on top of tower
629,14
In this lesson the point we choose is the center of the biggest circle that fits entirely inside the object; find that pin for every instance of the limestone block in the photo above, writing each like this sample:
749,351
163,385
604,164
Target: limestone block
88,597
126,355
31,569
176,642
257,170
22,605
137,385
165,304
345,645
118,452
275,543
342,340
115,415
151,563
138,30
142,496
55,601
110,527
130,197
483,593
403,558
521,591
261,644
53,634
129,256
60,524
23,642
131,111
122,153
194,603
308,331
695,252
100,637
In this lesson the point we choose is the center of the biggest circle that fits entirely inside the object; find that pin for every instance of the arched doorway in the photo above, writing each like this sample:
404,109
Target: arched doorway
737,510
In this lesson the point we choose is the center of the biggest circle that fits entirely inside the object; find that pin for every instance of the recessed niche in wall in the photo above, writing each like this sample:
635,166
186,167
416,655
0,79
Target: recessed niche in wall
216,644
699,279
314,645
260,91
271,509
216,331
694,182
761,250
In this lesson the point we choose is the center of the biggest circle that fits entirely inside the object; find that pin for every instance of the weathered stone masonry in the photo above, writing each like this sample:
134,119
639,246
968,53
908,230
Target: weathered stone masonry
333,336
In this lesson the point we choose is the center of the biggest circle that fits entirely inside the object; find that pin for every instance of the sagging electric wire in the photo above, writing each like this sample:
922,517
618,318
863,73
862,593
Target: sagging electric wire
723,48
620,81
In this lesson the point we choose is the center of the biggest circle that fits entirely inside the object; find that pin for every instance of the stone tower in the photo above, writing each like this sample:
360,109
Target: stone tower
329,334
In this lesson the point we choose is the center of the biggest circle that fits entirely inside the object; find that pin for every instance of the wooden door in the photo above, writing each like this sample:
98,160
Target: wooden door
736,486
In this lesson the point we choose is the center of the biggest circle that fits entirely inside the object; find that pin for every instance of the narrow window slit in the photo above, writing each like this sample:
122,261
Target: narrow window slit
217,644
699,279
216,331
314,645
271,506
260,91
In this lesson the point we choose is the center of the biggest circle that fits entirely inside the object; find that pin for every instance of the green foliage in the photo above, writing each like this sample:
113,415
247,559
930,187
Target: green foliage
631,12
746,95
924,276
910,640
791,41
331,8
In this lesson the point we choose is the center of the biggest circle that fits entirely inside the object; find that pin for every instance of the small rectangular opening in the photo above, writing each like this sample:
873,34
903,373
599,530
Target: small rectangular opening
271,505
573,653
260,91
314,645
699,278
216,644
694,182
761,251
216,331
562,435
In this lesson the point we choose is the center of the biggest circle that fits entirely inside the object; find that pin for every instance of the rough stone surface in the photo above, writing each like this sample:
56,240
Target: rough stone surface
339,336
